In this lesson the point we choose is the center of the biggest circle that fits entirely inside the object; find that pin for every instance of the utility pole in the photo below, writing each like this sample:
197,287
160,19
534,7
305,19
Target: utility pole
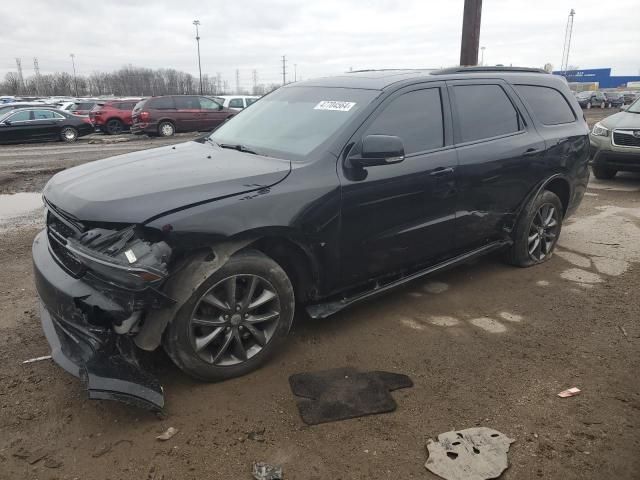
20,77
218,82
284,70
36,69
237,81
564,64
255,79
482,55
470,32
196,23
75,78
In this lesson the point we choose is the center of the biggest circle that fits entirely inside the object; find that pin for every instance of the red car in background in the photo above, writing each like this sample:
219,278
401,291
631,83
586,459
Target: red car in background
113,116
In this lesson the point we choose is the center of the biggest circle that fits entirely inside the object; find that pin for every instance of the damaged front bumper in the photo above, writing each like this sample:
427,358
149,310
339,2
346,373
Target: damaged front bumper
79,316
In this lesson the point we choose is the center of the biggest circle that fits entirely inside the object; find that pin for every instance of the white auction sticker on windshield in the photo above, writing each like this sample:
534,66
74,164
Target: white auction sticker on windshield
334,105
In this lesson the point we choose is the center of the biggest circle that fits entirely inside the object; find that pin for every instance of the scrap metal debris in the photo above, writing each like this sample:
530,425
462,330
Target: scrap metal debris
571,392
472,454
167,434
264,471
38,359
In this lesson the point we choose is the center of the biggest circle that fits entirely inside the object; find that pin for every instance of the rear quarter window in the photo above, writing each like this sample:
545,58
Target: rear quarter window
548,105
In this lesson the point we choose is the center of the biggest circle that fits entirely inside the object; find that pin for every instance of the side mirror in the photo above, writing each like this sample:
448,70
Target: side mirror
379,150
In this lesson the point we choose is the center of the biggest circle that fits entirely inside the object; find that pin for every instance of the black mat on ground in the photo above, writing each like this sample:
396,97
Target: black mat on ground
344,393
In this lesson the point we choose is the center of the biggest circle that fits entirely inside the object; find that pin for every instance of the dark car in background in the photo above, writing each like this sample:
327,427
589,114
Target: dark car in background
39,124
166,115
590,99
113,116
322,194
614,99
4,108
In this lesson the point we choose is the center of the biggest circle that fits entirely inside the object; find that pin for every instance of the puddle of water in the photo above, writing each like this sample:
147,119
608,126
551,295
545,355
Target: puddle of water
435,287
19,204
411,323
511,317
608,237
574,258
581,276
542,283
489,324
444,321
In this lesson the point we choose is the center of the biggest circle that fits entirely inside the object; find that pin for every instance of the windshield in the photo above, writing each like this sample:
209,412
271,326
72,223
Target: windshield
634,107
293,121
4,110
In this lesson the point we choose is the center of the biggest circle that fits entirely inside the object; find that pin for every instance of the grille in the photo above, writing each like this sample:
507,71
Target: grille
58,231
625,139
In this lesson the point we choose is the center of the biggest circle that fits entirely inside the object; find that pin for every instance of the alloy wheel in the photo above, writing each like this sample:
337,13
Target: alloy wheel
114,127
234,320
69,134
166,130
543,232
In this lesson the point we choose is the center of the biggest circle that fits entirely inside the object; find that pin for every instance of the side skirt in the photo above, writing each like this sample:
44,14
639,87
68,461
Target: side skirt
328,308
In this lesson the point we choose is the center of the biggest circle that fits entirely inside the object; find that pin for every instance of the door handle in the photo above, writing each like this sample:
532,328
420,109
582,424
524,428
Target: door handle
531,151
441,171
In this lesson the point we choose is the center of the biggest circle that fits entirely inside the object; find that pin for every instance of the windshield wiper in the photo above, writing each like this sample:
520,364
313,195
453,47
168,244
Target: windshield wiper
239,147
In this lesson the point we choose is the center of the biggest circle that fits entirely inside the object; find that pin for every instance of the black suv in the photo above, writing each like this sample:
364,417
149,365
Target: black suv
322,194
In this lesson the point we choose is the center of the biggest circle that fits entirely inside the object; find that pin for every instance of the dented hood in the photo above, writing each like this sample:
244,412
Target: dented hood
137,186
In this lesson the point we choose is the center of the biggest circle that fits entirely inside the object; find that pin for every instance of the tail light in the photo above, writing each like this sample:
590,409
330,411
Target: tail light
144,116
87,120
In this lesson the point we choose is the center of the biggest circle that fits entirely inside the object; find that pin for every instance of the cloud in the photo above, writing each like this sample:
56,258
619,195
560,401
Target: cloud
320,37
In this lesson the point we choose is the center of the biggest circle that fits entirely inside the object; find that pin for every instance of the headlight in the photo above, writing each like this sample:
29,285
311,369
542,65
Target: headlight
121,258
599,130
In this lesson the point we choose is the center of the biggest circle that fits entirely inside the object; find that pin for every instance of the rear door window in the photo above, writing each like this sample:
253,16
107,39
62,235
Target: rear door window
548,105
415,117
44,115
187,103
484,111
162,103
236,103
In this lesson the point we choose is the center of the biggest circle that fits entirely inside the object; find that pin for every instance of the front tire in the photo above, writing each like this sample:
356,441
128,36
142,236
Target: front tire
604,173
537,231
235,321
68,134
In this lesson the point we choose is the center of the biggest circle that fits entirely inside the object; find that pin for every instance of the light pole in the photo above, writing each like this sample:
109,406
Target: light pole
196,23
482,56
75,79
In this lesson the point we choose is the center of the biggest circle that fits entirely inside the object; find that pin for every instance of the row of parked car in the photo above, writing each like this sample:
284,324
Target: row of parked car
598,99
154,116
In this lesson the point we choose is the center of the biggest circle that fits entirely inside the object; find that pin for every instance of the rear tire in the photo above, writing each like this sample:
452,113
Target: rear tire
537,231
230,325
68,134
604,173
114,126
166,129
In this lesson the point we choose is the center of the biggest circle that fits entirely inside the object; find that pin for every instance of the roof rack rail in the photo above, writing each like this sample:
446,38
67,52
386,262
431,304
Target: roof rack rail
449,71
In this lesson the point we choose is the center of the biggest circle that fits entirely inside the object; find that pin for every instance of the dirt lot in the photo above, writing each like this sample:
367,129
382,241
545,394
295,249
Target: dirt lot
485,344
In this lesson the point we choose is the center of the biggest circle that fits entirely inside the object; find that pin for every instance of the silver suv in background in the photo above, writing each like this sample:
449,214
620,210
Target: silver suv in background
615,143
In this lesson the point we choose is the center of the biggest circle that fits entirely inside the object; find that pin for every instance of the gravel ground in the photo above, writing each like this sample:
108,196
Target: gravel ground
485,344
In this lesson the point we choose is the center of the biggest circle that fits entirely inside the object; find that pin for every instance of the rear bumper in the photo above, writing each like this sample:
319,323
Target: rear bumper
141,128
76,318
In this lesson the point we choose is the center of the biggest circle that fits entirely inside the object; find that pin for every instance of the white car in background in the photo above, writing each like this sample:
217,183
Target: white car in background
236,102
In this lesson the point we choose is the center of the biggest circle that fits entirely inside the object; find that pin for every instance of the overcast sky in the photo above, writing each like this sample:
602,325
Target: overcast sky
322,37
